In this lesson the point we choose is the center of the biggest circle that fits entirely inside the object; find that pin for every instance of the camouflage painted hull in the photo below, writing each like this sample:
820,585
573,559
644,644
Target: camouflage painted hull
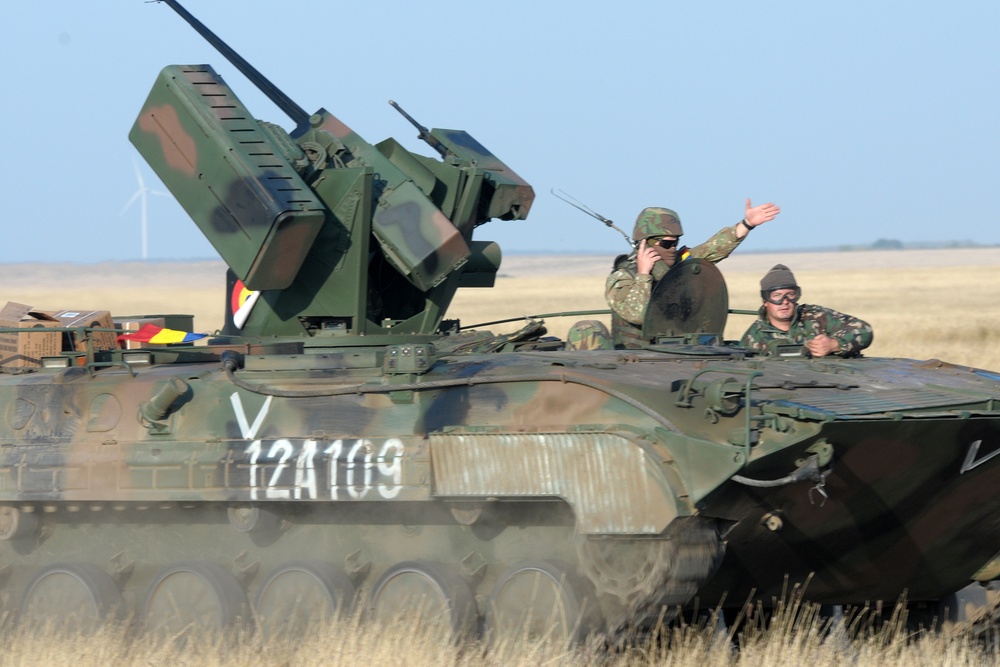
619,474
899,515
140,478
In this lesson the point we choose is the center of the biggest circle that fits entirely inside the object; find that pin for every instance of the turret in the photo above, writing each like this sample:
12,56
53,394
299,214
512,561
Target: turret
339,237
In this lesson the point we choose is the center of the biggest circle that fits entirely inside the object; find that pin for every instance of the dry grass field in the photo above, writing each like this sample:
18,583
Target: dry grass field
923,304
795,636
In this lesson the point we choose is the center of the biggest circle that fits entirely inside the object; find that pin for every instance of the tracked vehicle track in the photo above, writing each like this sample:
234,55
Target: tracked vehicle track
640,581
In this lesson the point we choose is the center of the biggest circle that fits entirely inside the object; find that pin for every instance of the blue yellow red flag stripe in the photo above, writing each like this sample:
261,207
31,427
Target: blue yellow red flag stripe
150,333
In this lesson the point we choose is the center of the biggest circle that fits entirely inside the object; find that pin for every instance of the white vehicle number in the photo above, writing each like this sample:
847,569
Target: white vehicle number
344,469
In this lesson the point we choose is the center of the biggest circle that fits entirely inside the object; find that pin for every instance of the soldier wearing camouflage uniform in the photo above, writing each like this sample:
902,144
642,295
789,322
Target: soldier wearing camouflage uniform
784,321
657,232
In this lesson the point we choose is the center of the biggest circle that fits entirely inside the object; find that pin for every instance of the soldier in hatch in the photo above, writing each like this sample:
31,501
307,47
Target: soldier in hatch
821,331
658,232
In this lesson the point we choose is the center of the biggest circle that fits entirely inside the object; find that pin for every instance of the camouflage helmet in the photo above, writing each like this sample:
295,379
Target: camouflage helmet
657,221
589,335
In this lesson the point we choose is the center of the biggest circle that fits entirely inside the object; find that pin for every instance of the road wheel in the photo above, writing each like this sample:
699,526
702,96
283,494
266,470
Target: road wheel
194,596
539,601
300,594
430,590
75,597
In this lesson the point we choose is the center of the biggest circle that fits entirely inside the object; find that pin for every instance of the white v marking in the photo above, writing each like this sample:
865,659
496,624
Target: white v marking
248,430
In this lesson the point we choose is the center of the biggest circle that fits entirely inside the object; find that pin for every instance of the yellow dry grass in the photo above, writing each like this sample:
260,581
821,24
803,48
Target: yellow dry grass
795,635
947,309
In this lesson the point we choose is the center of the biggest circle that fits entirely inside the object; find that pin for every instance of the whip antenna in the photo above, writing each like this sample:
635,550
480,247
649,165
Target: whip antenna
575,203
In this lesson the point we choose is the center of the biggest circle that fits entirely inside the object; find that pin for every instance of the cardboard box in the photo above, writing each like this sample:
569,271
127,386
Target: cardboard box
175,321
103,340
128,324
19,350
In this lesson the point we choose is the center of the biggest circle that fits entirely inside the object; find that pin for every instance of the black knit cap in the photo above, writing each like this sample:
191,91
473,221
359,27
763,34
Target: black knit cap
779,277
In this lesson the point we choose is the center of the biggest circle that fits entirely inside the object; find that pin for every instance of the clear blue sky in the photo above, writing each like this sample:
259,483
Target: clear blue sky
863,120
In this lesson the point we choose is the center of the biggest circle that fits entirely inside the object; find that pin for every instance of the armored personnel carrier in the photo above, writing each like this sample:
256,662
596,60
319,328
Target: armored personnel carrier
341,443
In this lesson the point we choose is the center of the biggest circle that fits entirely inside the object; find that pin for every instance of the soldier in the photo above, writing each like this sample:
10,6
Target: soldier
658,231
822,331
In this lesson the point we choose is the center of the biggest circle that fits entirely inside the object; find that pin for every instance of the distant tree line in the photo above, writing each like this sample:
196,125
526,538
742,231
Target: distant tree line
896,244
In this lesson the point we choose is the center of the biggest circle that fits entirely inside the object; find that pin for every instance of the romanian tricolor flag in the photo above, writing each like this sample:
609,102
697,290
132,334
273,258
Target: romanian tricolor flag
150,333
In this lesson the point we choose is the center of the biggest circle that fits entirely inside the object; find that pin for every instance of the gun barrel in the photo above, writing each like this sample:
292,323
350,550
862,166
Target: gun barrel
285,103
413,121
425,134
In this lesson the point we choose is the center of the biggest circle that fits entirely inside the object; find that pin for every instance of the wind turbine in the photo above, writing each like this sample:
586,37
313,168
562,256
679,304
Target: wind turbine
140,194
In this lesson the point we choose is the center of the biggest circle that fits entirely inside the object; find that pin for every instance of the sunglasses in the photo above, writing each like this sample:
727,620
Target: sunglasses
661,241
792,297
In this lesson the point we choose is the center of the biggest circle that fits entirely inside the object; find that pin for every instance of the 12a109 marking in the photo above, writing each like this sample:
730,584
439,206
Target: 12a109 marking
344,469
279,472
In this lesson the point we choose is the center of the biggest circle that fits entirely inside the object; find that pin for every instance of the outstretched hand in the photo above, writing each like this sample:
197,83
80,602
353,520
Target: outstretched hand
758,215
